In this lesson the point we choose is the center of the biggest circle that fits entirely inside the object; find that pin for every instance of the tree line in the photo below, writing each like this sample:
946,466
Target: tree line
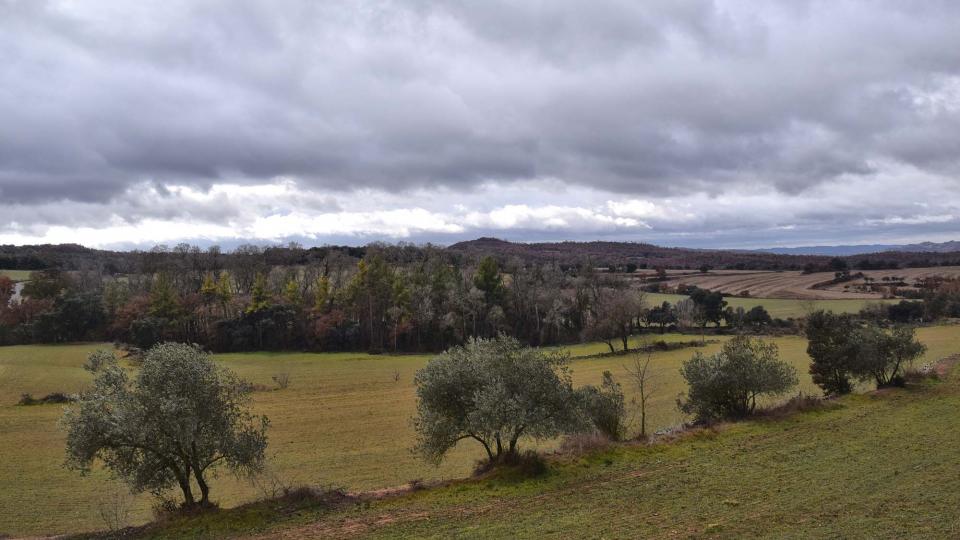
391,299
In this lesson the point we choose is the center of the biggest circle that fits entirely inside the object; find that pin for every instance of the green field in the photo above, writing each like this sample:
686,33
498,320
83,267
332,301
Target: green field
777,307
882,465
16,275
343,421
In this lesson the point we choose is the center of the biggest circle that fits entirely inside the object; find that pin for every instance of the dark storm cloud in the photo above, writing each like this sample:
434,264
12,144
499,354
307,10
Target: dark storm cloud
644,98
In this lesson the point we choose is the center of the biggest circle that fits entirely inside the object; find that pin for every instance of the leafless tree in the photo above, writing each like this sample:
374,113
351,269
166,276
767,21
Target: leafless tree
115,510
639,371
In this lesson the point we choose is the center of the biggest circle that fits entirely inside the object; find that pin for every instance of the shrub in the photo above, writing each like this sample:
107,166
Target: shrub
582,443
282,380
841,350
727,384
526,464
604,407
800,403
115,510
55,397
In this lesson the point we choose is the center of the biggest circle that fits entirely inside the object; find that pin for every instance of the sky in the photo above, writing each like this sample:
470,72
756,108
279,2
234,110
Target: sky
682,123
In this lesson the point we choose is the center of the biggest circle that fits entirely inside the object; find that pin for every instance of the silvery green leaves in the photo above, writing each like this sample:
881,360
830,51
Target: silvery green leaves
178,417
493,391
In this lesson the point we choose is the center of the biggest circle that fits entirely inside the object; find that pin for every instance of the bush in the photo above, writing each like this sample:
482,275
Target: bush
604,406
727,384
526,464
282,380
582,443
906,312
841,350
55,397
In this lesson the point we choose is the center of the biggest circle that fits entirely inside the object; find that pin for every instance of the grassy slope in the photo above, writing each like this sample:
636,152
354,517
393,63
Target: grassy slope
344,420
777,307
875,466
16,275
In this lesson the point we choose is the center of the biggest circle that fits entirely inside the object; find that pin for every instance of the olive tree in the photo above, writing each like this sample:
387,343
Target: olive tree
175,420
882,354
493,391
727,384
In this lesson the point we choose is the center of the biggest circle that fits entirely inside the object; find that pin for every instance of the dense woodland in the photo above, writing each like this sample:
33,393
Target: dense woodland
375,298
397,298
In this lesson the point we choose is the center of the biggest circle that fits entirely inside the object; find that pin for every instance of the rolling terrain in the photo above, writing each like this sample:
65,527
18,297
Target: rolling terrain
344,421
797,285
874,465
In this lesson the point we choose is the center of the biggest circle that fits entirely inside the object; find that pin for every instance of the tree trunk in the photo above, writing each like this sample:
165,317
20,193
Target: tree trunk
204,488
643,413
514,439
184,481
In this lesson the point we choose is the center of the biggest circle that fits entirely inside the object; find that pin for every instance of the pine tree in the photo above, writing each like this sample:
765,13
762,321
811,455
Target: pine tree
259,295
163,299
322,296
209,288
291,292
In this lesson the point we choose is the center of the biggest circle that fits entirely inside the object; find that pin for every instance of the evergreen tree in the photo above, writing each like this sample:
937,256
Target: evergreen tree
259,295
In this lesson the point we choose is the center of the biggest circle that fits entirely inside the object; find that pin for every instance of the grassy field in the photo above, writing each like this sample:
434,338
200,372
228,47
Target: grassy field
343,421
16,275
795,284
777,307
870,466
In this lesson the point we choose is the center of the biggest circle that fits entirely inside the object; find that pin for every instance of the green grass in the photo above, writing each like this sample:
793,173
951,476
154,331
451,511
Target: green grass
343,421
882,465
16,275
777,307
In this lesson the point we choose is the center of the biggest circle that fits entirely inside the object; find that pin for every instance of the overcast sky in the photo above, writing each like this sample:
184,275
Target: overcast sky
706,124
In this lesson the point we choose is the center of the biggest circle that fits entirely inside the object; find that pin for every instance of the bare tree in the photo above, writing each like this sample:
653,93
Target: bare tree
115,510
642,378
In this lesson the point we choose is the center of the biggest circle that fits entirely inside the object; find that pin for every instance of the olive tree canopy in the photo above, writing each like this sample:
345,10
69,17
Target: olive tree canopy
177,418
727,384
493,391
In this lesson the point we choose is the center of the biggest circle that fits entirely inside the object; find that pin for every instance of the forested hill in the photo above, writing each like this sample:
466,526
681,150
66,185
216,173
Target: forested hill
651,256
568,254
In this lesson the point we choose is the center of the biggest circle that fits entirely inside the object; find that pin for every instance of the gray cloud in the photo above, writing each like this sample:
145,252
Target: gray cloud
649,99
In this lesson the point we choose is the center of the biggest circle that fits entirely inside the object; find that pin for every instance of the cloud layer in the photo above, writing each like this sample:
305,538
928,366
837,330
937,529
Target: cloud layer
701,123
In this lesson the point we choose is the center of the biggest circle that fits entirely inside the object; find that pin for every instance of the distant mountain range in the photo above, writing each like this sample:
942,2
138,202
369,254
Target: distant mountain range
844,251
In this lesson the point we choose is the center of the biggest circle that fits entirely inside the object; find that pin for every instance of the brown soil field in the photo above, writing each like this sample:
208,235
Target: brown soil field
796,285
